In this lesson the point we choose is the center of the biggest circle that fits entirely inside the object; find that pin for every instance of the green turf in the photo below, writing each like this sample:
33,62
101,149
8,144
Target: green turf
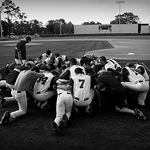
69,48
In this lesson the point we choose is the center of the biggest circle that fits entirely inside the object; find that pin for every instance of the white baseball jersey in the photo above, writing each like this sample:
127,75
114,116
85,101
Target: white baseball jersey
145,75
112,64
56,61
81,87
63,57
45,56
78,61
137,83
42,84
72,70
134,76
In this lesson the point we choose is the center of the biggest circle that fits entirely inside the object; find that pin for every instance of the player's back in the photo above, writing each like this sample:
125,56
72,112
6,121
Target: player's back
42,84
72,70
144,74
81,86
134,76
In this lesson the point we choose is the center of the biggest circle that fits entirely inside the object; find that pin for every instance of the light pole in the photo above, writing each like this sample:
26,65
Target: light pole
119,2
1,29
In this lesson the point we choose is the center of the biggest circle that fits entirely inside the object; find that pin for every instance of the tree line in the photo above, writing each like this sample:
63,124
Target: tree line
16,22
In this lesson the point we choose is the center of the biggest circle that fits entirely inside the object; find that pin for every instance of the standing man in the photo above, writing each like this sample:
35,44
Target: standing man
20,50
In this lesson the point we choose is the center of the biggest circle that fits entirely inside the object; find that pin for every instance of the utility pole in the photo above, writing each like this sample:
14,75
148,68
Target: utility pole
119,2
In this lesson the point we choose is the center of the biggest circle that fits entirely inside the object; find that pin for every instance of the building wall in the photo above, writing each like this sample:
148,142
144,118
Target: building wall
112,29
145,29
125,28
86,29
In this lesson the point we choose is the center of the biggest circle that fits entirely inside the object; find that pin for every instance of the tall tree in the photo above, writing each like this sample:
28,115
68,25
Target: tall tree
5,28
36,26
68,28
50,26
13,13
126,18
10,9
53,26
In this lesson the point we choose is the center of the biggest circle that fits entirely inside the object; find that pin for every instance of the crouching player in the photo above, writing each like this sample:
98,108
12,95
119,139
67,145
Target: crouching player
24,83
63,105
43,89
83,92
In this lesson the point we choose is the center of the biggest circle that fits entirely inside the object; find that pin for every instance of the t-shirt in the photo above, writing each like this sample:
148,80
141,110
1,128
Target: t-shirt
20,47
12,76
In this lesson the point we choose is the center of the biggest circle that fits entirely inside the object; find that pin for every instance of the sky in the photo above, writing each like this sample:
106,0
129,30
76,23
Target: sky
80,11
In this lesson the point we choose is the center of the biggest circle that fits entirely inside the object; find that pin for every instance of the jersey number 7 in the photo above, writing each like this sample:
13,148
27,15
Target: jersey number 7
82,82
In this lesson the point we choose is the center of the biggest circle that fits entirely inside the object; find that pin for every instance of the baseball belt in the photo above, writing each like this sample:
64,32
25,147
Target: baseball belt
38,93
61,93
79,99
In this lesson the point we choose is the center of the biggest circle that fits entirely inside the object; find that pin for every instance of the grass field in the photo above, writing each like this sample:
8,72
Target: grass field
97,131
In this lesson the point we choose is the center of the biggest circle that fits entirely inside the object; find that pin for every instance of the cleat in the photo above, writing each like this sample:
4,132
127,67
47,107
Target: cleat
75,110
39,104
5,118
63,122
139,114
45,106
88,109
55,128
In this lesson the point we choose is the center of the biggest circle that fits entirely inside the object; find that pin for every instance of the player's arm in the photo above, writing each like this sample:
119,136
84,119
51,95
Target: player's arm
93,82
100,85
40,57
64,86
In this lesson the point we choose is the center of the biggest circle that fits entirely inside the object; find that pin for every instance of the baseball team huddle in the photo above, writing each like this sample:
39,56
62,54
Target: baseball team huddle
86,84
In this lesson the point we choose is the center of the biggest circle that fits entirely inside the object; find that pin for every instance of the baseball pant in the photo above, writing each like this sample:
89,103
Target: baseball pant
21,99
63,106
85,102
43,96
142,87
